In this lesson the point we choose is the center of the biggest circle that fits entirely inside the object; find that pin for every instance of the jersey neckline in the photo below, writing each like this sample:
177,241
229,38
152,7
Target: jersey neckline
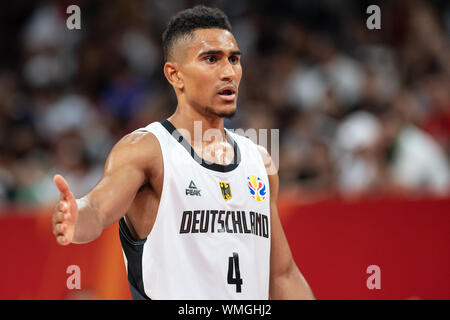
204,163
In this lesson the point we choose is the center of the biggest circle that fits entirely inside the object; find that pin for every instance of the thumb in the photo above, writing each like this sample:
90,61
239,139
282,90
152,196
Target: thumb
62,186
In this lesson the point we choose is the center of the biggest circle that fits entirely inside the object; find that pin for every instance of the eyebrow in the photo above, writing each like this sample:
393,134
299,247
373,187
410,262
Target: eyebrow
219,52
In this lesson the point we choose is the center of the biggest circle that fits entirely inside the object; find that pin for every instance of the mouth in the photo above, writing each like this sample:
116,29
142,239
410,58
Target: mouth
227,94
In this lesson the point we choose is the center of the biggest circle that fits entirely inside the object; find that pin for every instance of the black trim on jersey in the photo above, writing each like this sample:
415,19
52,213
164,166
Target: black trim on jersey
133,251
204,163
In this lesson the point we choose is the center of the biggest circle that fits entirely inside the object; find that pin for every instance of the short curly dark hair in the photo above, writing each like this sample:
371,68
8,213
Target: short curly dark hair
186,21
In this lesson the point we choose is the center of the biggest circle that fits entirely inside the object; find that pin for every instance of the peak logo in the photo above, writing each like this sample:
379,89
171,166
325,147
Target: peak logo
192,190
256,187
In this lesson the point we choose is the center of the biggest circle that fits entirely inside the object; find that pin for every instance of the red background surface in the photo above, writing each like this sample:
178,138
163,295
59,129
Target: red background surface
333,243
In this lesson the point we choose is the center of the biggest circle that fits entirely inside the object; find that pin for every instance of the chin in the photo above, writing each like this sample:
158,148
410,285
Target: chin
227,113
222,112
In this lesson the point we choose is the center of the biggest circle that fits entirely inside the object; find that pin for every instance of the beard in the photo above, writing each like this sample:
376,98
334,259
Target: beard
221,114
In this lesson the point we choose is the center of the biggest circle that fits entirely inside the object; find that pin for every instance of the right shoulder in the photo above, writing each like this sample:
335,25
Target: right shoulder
139,147
138,138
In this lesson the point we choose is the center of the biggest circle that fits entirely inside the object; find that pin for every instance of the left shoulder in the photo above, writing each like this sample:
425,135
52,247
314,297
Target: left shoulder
272,172
246,142
267,160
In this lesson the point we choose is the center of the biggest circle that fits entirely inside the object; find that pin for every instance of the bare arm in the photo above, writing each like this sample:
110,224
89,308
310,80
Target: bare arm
286,280
83,220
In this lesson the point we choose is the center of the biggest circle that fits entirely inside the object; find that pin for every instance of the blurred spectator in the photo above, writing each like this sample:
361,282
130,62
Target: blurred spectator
417,162
356,138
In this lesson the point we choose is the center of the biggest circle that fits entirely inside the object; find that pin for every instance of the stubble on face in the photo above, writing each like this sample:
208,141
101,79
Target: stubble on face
220,114
197,74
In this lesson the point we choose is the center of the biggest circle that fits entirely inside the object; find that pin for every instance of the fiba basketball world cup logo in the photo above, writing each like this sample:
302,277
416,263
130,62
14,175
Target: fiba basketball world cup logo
256,187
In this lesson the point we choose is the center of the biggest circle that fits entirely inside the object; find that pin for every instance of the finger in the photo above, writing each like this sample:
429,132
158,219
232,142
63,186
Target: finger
62,206
58,217
60,209
67,216
62,186
62,240
59,229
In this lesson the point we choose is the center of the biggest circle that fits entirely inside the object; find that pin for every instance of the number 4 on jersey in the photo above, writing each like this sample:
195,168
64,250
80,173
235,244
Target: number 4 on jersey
233,263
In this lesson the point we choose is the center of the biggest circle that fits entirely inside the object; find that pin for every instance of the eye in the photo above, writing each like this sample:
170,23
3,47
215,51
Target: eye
210,59
234,59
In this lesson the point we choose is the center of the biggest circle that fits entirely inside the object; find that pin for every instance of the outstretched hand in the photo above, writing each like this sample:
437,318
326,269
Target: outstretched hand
65,214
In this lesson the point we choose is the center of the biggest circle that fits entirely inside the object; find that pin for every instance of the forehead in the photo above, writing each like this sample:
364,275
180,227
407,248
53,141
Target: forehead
211,39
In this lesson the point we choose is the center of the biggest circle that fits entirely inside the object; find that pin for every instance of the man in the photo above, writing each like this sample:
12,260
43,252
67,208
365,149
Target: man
197,212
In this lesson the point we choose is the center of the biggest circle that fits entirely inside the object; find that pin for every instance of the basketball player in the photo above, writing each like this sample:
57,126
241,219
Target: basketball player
197,217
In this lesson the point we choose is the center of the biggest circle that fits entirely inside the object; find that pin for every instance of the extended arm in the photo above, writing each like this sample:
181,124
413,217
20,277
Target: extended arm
83,220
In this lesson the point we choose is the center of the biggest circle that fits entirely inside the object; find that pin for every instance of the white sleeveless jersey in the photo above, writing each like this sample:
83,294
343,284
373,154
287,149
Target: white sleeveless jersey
211,237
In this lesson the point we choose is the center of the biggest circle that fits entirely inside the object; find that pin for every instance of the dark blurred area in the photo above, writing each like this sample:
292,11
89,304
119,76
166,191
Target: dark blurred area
360,112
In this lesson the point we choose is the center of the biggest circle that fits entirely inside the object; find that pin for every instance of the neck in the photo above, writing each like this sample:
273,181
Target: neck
199,126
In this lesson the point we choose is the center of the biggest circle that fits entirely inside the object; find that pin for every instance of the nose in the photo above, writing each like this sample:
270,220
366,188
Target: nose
228,73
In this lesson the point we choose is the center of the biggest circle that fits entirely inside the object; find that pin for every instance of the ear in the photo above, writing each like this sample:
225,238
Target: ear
173,75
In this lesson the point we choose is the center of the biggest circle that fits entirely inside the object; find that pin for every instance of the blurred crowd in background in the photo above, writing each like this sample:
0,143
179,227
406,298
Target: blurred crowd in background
360,112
